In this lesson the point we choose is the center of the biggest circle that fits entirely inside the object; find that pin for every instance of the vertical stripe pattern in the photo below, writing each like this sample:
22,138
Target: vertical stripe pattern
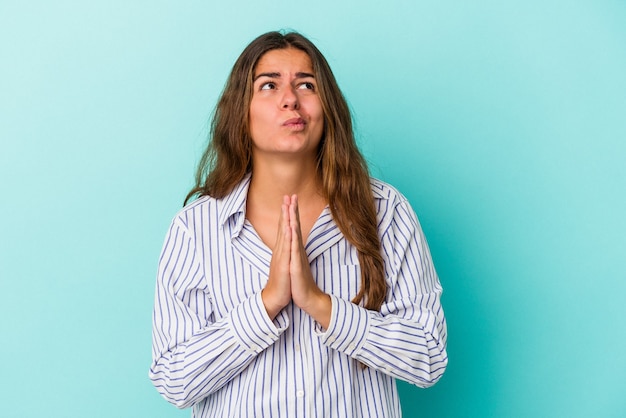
216,349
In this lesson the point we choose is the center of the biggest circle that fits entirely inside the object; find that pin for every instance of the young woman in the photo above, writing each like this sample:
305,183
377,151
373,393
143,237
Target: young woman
295,285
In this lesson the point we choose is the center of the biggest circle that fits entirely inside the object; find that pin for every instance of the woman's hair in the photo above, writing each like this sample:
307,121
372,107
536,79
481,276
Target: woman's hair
342,168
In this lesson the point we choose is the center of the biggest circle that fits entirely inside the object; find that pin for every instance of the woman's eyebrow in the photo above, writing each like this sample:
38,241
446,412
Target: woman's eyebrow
270,75
277,75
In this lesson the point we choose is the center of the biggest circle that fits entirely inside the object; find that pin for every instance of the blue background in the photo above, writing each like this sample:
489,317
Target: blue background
502,122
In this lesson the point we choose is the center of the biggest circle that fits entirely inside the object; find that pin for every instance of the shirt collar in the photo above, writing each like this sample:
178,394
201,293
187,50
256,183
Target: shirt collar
235,202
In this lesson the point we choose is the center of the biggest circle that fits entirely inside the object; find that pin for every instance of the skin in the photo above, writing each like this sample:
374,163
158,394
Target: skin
286,125
286,117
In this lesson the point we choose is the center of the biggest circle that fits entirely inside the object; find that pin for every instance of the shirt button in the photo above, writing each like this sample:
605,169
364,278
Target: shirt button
351,346
300,393
297,347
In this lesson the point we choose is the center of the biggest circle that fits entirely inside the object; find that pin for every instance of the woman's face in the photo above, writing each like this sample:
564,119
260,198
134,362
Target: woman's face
286,116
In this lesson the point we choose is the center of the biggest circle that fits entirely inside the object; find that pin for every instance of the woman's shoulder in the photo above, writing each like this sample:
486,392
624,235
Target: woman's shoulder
385,191
199,202
391,204
207,208
188,213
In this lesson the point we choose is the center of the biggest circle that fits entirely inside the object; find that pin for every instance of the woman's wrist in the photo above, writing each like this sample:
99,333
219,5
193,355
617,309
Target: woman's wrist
271,306
320,309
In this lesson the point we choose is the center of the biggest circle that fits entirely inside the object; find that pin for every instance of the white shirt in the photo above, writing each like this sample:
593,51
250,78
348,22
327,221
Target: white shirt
215,347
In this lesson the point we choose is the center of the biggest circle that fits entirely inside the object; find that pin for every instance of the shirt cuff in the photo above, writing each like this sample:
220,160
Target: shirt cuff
348,328
252,326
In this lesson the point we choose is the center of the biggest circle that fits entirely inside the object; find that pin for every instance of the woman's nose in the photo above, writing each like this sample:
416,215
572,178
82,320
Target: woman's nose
289,99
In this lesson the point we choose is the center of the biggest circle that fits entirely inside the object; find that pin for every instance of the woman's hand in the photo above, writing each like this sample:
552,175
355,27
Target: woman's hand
277,292
304,291
290,275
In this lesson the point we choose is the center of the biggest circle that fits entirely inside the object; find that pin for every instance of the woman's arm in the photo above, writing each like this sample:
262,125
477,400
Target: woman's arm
193,355
407,338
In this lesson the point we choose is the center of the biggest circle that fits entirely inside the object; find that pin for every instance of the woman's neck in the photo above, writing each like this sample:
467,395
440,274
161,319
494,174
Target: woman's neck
270,182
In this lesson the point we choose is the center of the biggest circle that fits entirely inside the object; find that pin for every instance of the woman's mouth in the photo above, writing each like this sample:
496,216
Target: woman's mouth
296,124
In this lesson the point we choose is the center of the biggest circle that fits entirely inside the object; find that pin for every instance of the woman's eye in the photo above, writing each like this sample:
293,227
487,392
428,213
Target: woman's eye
307,86
268,86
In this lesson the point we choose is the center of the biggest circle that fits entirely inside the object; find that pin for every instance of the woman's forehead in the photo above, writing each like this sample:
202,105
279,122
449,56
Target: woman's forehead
278,61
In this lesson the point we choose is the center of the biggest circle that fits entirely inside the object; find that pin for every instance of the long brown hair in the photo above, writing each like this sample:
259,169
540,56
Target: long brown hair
343,170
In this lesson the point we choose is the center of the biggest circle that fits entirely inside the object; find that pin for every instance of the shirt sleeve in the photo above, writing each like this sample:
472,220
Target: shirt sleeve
193,355
407,337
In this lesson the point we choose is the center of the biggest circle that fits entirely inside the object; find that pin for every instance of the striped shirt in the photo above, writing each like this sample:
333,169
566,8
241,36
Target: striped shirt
216,349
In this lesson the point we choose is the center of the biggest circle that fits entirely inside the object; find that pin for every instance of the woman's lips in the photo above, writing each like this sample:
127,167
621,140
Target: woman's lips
296,124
